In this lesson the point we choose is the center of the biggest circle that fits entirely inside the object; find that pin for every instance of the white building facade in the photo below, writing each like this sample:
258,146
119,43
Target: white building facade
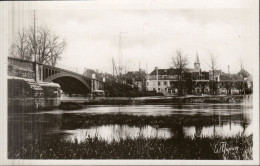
161,80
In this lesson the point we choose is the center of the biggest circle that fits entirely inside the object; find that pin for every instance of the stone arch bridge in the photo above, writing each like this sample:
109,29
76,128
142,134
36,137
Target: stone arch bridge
70,82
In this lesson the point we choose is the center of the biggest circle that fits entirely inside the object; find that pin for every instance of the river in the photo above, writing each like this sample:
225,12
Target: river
225,120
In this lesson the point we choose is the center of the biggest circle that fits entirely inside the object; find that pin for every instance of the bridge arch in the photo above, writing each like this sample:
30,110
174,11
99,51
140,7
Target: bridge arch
70,82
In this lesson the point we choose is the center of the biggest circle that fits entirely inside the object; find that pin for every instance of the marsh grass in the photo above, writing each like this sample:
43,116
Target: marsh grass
237,148
70,121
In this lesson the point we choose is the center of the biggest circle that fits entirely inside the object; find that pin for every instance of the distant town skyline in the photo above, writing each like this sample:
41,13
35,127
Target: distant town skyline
153,34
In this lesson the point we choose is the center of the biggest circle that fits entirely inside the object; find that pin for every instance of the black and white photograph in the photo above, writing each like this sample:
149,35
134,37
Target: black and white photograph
129,82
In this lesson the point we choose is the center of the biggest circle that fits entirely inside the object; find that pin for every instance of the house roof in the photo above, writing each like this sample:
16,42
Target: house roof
170,71
189,70
250,78
230,77
204,73
243,73
165,72
216,72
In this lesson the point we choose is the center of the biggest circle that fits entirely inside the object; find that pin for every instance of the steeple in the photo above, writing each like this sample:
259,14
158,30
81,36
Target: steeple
197,63
197,59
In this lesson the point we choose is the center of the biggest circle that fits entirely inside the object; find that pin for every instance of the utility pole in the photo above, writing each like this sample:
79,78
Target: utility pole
34,47
146,70
120,52
113,67
139,69
126,67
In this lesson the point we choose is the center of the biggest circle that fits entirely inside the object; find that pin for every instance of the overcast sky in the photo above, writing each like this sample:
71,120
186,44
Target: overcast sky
153,34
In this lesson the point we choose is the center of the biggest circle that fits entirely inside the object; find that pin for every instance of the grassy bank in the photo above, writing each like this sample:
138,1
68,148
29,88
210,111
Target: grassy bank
231,148
152,100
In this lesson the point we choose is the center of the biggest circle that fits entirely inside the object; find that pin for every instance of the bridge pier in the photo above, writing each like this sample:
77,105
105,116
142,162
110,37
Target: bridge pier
38,72
26,86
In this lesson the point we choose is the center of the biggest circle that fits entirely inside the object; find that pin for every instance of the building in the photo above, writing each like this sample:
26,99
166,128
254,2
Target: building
97,79
216,74
162,80
166,80
239,83
250,82
200,82
199,79
196,81
197,64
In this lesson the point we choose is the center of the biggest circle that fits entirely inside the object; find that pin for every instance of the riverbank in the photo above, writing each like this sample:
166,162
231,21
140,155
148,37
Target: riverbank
177,121
74,103
213,148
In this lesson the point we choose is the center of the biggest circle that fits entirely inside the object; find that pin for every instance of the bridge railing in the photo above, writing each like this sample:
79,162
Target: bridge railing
70,68
28,65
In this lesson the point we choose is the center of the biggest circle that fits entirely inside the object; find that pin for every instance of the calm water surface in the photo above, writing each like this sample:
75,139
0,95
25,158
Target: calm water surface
229,120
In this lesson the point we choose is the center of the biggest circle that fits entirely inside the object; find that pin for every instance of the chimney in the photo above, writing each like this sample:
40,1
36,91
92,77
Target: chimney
228,70
156,70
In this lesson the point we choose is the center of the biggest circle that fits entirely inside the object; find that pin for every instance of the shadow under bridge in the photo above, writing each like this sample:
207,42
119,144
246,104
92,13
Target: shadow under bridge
70,82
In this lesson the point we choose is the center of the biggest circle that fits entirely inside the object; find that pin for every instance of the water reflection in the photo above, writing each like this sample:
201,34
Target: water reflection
117,132
227,120
203,120
219,130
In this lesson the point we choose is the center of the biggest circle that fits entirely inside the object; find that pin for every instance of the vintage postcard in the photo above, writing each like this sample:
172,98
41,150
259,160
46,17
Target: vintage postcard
129,82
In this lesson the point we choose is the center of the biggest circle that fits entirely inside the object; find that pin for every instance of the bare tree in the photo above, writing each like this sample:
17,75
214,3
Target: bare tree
47,46
180,62
213,66
20,48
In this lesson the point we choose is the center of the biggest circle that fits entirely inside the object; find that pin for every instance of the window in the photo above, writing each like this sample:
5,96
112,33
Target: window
200,77
147,83
159,89
159,83
165,89
165,82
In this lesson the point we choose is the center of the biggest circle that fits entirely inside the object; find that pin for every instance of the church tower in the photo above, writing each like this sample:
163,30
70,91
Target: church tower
197,63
